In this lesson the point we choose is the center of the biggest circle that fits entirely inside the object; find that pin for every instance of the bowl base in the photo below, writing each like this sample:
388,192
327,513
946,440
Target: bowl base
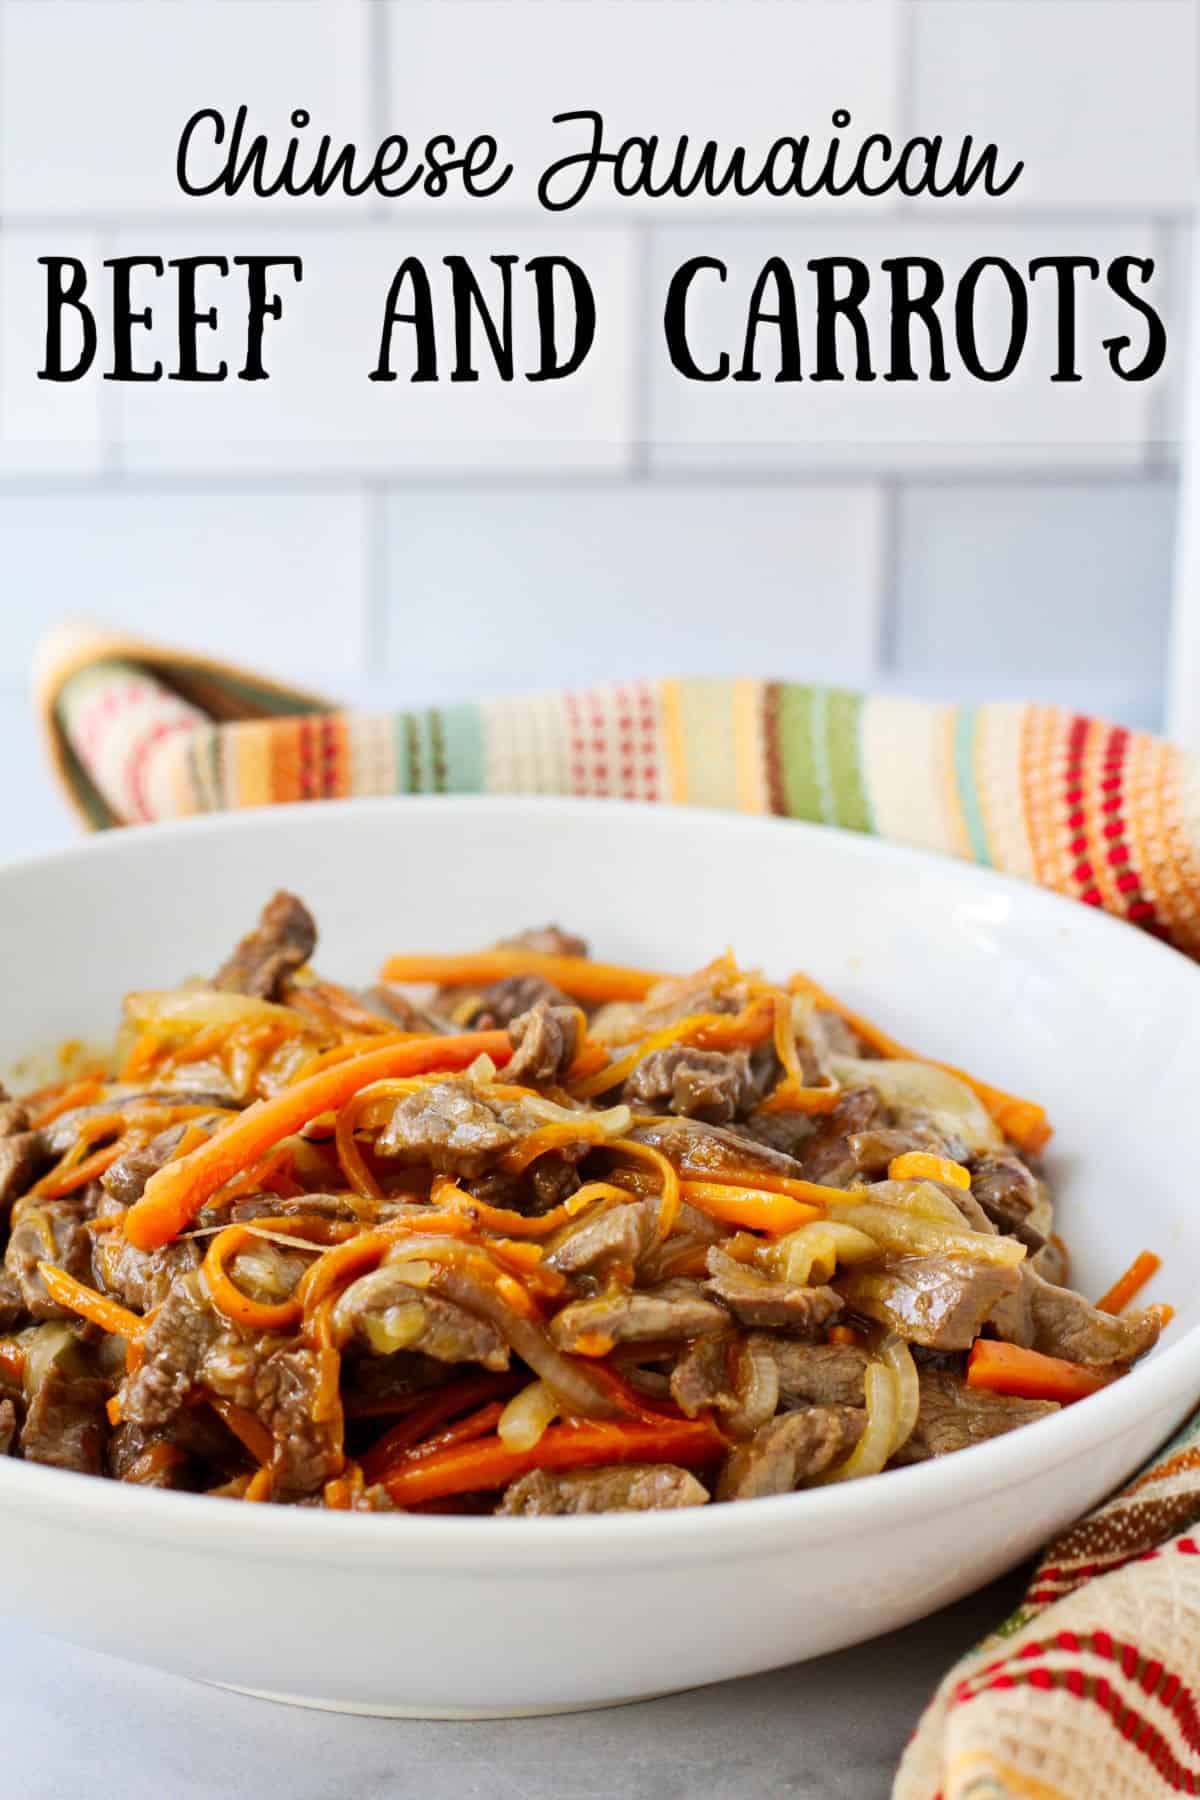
461,1713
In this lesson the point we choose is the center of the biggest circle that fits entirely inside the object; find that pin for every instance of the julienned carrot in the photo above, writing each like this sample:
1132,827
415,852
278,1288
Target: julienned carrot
752,1209
108,1314
1027,1374
177,1192
1141,1269
575,975
1024,1121
487,1463
443,1404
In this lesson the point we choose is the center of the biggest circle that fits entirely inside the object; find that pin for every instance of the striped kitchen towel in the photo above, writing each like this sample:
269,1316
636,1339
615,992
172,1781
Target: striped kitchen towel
1106,815
1090,1691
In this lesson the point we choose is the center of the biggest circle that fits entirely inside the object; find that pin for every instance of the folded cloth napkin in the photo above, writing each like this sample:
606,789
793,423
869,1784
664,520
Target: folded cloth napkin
1090,1688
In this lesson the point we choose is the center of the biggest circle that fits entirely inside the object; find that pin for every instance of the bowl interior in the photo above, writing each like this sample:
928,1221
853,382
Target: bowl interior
1095,1020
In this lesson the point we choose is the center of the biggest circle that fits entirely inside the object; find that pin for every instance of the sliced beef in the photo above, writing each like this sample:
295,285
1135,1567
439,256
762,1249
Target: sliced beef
384,1312
125,1180
394,1006
23,1154
728,1374
543,1042
673,1309
1009,1194
173,1352
1059,1322
703,1378
1052,1262
8,1427
817,1374
282,941
505,1000
826,1154
789,1450
547,940
953,1416
938,1301
627,1487
12,1303
308,1449
145,1458
141,1279
51,1231
700,1151
620,1236
454,1126
754,1299
65,1424
713,1085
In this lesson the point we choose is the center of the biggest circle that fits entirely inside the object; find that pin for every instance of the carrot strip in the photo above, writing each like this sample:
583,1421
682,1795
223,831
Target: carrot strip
66,1181
260,1486
108,1314
1021,1120
229,1299
77,1093
918,1165
12,1359
841,1334
177,1192
245,1426
1143,1267
586,1129
350,1156
669,1202
750,1208
574,975
345,1261
443,1404
487,1463
514,1224
1007,1369
791,1093
476,1425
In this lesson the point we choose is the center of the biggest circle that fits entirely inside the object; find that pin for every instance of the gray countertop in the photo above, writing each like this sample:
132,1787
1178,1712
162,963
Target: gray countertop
76,1723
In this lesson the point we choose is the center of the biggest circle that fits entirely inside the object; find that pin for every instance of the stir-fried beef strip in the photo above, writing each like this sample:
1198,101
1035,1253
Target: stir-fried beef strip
634,1487
792,1448
754,1299
714,1085
941,1302
1059,1322
953,1416
1009,1194
392,1309
544,1044
673,1309
282,942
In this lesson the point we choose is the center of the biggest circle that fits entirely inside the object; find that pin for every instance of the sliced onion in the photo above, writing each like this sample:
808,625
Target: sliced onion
909,1234
445,1266
874,1447
899,1358
757,1389
809,1257
922,1197
192,1008
527,1415
915,1087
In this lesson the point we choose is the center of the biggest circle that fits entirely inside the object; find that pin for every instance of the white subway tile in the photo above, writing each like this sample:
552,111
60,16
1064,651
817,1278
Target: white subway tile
1096,97
741,72
1025,419
33,814
508,591
274,580
1044,590
46,427
94,95
319,410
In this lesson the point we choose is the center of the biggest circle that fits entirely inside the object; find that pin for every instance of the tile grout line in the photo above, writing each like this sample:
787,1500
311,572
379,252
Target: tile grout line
887,619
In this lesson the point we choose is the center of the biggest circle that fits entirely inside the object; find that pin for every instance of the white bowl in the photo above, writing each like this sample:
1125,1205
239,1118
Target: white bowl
446,1616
